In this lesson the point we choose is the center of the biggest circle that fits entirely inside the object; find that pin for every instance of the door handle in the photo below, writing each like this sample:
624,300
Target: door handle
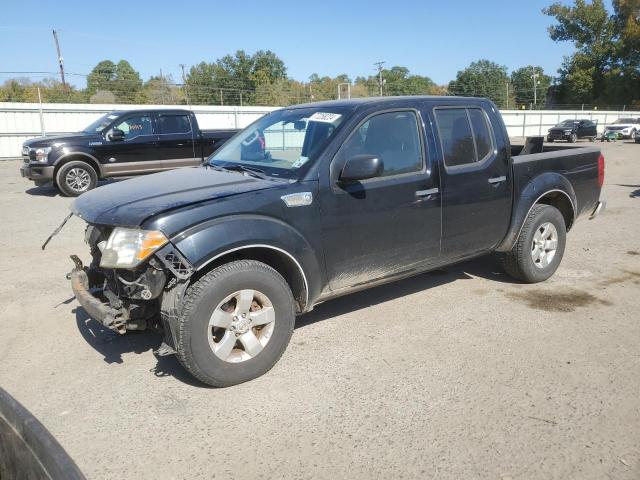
494,180
426,193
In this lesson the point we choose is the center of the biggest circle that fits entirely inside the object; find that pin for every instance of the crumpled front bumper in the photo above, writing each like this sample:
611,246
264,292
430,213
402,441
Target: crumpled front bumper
112,318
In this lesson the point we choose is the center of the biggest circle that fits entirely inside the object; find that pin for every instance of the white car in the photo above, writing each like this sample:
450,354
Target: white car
627,127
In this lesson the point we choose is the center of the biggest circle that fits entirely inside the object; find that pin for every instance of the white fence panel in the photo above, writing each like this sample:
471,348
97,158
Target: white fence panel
22,121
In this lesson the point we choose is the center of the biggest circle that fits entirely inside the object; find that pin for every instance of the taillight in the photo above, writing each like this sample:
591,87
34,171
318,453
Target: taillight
601,170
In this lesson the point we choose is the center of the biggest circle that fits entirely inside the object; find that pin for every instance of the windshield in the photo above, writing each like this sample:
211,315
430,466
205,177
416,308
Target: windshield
625,120
280,143
567,123
100,124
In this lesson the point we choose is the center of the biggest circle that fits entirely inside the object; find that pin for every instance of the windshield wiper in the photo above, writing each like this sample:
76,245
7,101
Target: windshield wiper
254,172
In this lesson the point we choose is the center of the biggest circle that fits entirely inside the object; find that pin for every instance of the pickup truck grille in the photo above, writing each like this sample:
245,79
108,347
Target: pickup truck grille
25,155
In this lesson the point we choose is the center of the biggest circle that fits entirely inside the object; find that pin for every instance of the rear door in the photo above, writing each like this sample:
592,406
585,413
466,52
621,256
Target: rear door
176,140
476,179
136,153
379,227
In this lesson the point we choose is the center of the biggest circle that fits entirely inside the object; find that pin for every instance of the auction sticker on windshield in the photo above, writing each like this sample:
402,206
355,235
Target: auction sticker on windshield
324,117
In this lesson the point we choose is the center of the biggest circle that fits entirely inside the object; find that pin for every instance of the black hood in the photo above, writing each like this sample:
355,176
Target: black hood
65,139
130,202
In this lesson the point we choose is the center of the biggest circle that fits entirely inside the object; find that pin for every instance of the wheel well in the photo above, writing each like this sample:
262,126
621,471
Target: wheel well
77,158
560,201
279,261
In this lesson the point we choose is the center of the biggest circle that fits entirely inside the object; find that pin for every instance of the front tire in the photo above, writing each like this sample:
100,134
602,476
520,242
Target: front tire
539,249
573,138
235,323
75,178
633,135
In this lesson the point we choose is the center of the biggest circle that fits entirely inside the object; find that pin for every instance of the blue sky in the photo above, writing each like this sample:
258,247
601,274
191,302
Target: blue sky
328,37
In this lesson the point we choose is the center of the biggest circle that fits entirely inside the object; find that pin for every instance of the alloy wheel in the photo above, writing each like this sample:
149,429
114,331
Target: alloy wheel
241,326
544,245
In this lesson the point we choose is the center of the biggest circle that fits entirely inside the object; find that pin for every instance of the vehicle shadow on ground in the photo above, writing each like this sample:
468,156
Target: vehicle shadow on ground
486,267
635,193
112,346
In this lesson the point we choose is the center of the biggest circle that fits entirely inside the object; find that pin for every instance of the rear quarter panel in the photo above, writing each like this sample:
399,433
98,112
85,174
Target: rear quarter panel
572,170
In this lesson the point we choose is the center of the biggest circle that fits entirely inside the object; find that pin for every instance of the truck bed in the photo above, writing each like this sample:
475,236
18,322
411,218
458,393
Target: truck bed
578,164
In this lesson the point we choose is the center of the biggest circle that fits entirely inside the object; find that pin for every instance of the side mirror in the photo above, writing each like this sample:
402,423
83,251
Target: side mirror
116,135
361,167
299,125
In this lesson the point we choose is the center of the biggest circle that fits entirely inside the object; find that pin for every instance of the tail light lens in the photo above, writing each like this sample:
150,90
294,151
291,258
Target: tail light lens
601,170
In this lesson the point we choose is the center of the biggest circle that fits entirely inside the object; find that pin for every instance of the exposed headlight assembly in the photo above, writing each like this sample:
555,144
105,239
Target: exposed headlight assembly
128,247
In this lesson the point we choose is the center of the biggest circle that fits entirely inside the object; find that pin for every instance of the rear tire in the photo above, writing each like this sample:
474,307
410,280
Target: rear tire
538,251
75,178
216,299
550,140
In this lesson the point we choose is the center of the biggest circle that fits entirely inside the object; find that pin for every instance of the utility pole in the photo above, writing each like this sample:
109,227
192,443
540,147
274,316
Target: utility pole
184,82
507,95
60,60
379,65
162,86
535,76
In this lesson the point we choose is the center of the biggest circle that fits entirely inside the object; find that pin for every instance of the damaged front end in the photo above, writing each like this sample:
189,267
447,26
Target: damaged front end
130,298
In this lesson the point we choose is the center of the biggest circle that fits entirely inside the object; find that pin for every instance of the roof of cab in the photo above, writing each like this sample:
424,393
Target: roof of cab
362,101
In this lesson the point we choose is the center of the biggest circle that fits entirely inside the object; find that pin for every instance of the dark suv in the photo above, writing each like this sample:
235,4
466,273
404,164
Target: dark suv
572,130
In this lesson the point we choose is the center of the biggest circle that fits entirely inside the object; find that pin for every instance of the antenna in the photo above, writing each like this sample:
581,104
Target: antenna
60,59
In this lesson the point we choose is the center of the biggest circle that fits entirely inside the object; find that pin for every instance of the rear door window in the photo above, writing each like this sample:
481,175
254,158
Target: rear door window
481,133
465,135
168,124
456,137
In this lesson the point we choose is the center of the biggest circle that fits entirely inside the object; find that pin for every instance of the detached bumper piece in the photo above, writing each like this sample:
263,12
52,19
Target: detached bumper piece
112,318
598,209
104,305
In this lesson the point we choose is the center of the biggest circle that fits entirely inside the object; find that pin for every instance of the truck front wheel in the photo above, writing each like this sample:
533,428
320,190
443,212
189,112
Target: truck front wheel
540,246
235,323
75,178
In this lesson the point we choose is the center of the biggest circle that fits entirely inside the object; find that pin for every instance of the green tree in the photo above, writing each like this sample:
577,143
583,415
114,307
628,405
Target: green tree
237,77
605,69
161,90
482,79
127,84
523,86
101,77
121,79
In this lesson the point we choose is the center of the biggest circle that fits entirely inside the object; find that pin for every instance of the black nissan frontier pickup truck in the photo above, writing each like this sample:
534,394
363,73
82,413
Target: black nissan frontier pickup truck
120,143
315,201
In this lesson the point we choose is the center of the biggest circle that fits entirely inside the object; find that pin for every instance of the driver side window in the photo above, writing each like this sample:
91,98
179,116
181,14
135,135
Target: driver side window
392,137
135,126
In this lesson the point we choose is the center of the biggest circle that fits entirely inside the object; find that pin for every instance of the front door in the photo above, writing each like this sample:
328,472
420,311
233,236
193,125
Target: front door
176,141
476,181
380,227
137,152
